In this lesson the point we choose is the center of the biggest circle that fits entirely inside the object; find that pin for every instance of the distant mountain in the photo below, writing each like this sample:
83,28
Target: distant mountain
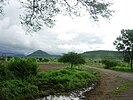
11,54
103,54
6,51
40,54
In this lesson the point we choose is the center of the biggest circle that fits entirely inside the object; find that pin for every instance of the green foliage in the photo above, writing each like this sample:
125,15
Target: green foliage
72,58
34,83
22,68
46,60
65,79
125,43
43,59
109,64
13,89
122,66
5,74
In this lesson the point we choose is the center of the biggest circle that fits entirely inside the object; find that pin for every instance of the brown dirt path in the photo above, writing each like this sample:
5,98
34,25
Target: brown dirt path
110,81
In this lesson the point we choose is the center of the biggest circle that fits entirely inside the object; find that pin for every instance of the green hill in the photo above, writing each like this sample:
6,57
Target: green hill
40,54
103,54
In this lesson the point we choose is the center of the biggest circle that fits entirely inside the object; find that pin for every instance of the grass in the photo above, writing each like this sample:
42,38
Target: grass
66,79
96,62
122,87
121,66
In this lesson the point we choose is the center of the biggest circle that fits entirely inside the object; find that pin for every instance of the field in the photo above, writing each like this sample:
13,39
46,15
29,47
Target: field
47,67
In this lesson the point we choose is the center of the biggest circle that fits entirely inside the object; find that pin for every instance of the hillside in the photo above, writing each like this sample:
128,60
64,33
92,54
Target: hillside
103,54
40,54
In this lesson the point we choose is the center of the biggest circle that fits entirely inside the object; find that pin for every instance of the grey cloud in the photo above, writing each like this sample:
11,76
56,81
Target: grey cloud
13,36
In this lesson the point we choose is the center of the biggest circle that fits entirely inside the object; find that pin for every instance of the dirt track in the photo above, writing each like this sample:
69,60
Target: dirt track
108,84
128,76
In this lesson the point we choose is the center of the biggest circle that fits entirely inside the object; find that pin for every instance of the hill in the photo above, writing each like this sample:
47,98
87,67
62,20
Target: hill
9,52
103,54
40,54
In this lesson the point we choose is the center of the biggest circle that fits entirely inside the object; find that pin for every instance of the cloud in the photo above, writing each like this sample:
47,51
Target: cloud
68,34
74,47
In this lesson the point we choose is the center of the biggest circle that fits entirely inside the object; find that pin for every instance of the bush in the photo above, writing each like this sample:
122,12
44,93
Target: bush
64,79
23,68
109,64
5,74
46,60
13,89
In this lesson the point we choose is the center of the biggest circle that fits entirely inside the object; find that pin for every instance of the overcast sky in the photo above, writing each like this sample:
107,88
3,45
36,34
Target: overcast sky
78,35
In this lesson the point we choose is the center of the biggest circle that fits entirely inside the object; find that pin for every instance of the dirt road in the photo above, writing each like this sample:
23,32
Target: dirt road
110,81
128,76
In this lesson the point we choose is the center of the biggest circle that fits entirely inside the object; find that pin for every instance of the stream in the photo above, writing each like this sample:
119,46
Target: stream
76,95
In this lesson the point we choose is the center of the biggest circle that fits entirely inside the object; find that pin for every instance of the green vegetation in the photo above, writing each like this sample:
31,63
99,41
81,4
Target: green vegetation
117,65
19,79
16,89
107,59
72,58
64,80
125,43
103,54
22,68
123,87
109,64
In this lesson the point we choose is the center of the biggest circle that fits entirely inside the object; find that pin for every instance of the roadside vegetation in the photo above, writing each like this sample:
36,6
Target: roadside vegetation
122,87
21,79
113,64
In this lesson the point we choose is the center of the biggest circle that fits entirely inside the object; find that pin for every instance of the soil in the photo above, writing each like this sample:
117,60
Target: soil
109,81
47,67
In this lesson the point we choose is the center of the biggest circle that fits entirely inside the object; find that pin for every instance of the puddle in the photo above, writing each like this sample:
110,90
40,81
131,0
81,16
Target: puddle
76,95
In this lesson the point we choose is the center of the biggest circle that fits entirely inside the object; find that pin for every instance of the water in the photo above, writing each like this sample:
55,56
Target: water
76,95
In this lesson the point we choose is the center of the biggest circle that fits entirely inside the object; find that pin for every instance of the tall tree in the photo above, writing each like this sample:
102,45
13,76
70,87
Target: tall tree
38,13
125,43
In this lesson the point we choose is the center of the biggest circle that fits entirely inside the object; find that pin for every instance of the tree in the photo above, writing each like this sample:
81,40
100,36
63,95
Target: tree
39,12
125,43
72,58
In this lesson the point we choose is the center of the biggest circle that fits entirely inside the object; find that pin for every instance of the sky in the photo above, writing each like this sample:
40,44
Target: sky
78,35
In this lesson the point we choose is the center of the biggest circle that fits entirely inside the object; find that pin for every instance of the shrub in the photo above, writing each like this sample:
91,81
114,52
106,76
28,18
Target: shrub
13,89
46,60
5,74
64,79
23,68
109,64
